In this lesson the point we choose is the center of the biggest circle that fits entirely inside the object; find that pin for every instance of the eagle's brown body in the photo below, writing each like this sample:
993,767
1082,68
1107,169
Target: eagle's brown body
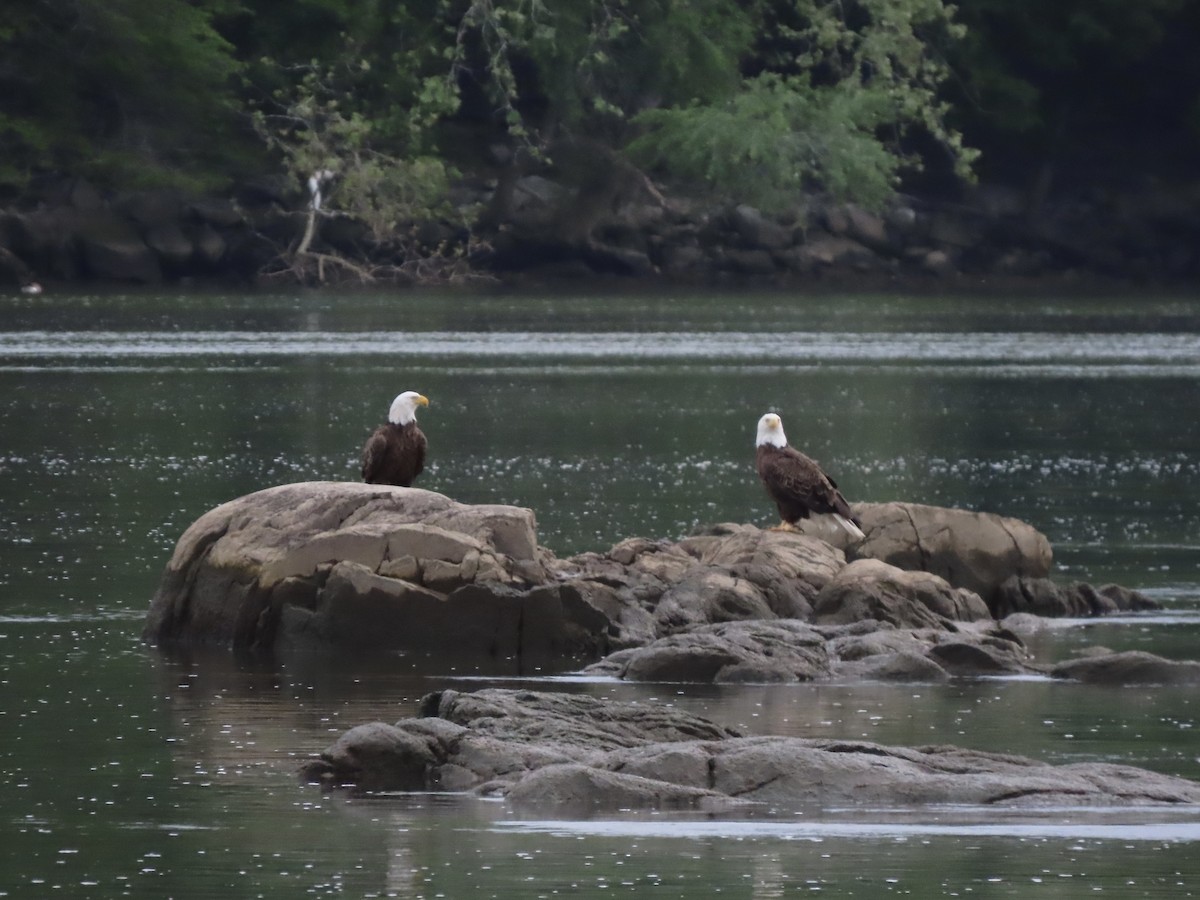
797,484
394,454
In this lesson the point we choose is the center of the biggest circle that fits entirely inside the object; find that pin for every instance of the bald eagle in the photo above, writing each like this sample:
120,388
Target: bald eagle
795,482
395,452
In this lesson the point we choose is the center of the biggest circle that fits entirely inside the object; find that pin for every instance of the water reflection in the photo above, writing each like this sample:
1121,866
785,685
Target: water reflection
1159,353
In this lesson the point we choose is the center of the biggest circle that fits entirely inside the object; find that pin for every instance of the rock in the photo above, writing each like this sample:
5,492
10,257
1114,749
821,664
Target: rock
956,228
151,209
871,589
570,724
787,651
683,259
973,658
743,652
1130,667
217,212
745,574
610,259
209,246
353,568
380,757
170,244
575,787
928,654
565,753
710,595
868,229
976,551
937,262
1043,597
750,262
112,249
1023,624
902,666
832,252
329,566
757,231
809,562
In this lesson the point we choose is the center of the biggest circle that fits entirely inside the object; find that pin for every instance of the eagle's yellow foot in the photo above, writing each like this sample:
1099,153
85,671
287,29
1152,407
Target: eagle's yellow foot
783,526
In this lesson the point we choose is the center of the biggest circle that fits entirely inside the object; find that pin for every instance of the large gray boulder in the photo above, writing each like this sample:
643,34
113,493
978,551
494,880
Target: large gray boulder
354,567
972,550
564,754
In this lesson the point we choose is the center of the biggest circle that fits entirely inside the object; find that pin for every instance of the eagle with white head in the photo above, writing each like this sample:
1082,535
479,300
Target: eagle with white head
395,452
796,482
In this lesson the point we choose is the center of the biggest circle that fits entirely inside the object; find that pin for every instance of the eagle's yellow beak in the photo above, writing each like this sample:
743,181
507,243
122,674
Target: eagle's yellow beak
421,400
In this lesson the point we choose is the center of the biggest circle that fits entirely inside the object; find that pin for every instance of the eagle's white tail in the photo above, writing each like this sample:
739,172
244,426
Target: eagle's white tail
851,529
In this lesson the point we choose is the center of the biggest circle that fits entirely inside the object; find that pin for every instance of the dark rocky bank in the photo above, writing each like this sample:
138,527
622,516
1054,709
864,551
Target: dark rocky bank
74,234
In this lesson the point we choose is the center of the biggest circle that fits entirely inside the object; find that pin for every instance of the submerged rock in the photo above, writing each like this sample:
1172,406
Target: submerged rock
569,753
782,650
1043,597
786,650
1130,667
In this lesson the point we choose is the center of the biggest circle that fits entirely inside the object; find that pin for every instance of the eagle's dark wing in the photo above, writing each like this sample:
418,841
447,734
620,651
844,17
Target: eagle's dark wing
419,446
800,477
374,456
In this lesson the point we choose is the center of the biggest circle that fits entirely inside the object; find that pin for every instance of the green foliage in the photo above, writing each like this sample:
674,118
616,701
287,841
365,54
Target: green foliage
597,62
1044,81
755,98
314,131
840,85
116,90
775,139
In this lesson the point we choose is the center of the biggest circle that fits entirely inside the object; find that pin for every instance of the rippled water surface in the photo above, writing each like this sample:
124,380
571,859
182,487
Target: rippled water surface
123,418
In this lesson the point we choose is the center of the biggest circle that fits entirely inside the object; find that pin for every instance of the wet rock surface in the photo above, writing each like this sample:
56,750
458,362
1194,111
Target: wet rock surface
352,568
578,753
348,568
1133,667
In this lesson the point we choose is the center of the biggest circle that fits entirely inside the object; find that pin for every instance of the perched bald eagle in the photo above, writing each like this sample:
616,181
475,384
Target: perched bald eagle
795,482
395,452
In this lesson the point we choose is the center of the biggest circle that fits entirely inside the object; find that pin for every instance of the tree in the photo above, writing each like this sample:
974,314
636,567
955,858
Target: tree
321,144
117,91
1078,87
759,101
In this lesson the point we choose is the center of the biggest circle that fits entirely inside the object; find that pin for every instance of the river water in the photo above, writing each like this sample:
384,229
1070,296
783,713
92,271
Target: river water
124,417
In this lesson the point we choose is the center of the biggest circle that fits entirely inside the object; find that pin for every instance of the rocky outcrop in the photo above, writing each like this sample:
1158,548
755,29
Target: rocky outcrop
572,754
353,568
